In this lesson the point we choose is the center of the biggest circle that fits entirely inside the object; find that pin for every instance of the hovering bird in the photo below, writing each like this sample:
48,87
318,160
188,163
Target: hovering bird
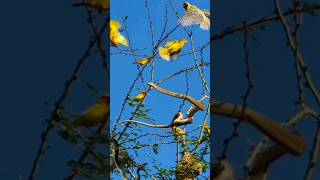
145,61
116,37
100,5
140,97
95,114
172,49
194,16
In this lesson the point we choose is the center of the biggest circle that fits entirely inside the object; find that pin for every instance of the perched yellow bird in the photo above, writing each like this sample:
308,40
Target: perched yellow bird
95,114
145,61
194,16
116,37
197,168
172,49
177,131
140,97
206,128
100,5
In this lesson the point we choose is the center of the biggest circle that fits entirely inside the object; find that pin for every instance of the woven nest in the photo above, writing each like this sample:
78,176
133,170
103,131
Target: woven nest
188,168
124,159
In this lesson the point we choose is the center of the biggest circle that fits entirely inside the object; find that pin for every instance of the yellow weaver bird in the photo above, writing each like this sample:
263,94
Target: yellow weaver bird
195,16
100,5
177,131
145,61
95,114
140,97
172,49
116,37
206,128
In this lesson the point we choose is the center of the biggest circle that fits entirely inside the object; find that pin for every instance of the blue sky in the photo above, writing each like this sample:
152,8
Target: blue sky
123,72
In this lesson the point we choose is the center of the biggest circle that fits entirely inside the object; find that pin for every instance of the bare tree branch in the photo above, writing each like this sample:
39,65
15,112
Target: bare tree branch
181,96
295,144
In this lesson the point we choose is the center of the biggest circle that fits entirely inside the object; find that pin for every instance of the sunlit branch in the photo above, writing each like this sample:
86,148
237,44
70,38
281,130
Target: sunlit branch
177,95
295,144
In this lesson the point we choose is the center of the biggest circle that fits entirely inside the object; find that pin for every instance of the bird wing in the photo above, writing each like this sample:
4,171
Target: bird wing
190,19
164,53
206,13
196,16
119,38
92,116
170,43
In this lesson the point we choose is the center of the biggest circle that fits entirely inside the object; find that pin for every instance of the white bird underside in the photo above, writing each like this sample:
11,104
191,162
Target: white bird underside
194,18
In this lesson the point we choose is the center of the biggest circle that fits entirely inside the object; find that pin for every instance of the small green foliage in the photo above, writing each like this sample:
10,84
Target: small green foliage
68,132
87,169
155,148
164,172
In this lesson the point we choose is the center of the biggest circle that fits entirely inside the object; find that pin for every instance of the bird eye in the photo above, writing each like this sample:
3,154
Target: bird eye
185,5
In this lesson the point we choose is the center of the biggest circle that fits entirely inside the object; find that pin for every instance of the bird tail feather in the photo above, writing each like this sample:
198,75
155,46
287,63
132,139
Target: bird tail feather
205,25
164,53
122,40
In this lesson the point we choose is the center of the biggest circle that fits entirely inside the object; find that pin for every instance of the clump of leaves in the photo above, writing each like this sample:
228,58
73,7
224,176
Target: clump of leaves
87,169
142,110
68,130
189,167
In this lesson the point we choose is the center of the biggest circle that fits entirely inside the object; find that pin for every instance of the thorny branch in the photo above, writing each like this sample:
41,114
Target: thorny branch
53,119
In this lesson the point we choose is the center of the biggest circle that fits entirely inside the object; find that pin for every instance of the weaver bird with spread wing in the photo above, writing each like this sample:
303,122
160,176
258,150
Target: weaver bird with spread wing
116,37
95,114
172,49
195,16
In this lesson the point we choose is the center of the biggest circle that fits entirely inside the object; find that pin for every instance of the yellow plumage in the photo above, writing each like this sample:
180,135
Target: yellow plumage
206,128
195,16
172,49
116,37
100,5
177,131
145,61
140,97
95,114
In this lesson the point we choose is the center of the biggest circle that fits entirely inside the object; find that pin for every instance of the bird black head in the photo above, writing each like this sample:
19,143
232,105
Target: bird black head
185,5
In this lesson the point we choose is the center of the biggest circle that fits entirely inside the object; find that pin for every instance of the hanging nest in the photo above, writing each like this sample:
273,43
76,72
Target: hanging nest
124,159
188,168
